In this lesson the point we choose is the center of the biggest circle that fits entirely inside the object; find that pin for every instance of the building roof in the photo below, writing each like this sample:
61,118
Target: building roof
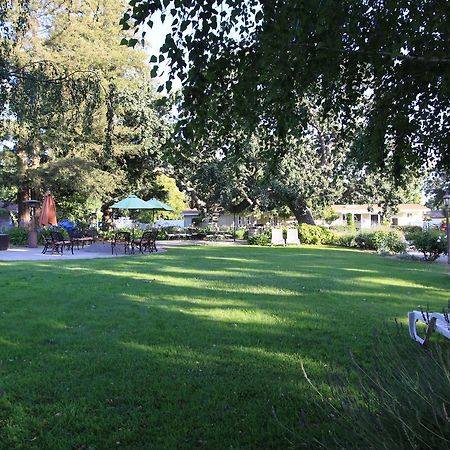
190,212
375,209
435,214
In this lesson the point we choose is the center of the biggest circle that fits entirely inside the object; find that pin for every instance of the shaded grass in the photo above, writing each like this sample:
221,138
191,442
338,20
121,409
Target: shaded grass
192,348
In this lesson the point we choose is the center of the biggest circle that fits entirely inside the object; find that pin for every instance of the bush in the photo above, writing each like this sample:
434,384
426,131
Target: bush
17,236
409,230
241,233
330,215
260,239
313,234
431,243
345,240
381,241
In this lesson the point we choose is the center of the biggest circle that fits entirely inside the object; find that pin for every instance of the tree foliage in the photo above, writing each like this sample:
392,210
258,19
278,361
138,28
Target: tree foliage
82,117
243,64
314,168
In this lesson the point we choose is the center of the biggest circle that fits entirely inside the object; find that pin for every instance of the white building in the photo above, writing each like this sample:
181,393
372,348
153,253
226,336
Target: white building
370,216
223,219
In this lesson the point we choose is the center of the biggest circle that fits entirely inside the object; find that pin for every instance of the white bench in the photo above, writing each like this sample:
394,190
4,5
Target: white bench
434,322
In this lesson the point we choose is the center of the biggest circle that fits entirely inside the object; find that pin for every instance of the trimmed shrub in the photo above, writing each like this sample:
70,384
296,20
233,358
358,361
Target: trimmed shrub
260,239
392,242
381,241
17,236
313,234
345,240
409,230
432,243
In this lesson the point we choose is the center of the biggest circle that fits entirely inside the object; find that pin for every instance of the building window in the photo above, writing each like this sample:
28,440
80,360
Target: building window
395,221
409,215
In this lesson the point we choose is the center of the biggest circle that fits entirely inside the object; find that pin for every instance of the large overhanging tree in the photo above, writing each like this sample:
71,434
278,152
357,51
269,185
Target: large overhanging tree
315,167
252,63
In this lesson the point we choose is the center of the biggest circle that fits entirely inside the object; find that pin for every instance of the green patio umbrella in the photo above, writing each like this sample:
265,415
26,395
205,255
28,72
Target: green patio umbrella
156,205
131,202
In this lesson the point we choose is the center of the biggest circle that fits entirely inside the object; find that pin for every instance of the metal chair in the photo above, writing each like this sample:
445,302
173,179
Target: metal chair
58,242
122,238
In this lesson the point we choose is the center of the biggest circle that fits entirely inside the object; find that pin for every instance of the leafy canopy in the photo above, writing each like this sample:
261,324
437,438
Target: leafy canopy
254,62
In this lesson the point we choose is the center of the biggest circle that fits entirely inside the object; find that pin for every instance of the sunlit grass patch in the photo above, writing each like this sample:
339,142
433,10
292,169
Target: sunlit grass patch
193,345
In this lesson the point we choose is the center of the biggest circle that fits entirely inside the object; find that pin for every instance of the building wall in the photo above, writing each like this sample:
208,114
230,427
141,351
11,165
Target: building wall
409,219
188,221
365,222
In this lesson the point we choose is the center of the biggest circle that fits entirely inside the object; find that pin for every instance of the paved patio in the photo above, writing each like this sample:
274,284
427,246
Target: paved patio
97,250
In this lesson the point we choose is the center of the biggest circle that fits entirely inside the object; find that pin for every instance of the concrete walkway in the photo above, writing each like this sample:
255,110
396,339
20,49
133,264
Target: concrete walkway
97,250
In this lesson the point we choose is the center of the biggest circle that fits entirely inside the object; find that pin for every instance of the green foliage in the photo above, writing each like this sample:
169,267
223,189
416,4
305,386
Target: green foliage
435,187
17,235
313,234
380,240
241,233
260,239
279,52
408,230
86,123
330,215
350,221
345,240
432,243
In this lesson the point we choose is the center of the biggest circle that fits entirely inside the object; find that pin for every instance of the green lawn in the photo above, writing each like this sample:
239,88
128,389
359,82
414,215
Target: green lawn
199,347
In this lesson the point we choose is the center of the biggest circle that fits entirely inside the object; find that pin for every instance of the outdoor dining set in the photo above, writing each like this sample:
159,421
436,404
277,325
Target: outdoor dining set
57,242
125,240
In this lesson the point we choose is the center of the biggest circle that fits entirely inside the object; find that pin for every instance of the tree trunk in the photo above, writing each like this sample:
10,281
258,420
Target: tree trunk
107,223
303,214
23,189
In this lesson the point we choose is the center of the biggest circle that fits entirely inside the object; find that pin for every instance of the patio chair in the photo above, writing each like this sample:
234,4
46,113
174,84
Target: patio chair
292,237
122,238
58,242
434,322
152,240
277,237
92,234
143,243
81,238
47,243
75,237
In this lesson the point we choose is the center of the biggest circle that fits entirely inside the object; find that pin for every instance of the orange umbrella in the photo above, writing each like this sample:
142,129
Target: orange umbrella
48,211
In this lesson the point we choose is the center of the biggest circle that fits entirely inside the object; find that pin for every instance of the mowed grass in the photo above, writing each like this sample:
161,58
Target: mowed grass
198,347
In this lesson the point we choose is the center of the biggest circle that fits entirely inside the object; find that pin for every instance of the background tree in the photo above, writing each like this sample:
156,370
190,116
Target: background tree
83,117
436,186
315,167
